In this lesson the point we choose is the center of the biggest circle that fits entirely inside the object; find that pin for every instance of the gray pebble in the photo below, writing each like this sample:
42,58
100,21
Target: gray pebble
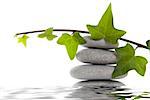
96,56
93,72
98,43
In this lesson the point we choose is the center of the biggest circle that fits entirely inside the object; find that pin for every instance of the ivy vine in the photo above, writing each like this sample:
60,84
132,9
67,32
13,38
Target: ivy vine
126,58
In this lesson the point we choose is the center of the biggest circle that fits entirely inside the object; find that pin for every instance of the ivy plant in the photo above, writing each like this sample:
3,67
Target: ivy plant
71,43
48,34
105,29
126,58
128,61
23,40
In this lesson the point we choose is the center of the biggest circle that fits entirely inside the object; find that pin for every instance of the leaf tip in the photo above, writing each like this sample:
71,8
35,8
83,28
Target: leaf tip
110,4
113,75
109,7
71,58
88,26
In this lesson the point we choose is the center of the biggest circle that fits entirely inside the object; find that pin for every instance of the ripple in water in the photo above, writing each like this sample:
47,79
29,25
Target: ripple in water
84,90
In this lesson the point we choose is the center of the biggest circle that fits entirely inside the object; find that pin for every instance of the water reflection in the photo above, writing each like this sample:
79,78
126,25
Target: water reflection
95,90
85,90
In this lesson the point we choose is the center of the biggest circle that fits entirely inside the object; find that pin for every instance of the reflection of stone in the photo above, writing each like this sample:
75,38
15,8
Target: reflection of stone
95,90
100,83
93,72
28,94
98,43
96,56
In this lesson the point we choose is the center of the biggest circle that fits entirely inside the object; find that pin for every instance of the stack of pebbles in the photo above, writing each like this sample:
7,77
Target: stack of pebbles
99,59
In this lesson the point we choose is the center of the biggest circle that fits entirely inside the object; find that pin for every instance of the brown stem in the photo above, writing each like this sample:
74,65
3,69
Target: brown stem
81,31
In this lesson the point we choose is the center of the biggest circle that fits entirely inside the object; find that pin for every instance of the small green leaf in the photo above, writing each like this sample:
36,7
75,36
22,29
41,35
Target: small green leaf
128,61
48,34
148,43
78,38
71,43
23,40
105,29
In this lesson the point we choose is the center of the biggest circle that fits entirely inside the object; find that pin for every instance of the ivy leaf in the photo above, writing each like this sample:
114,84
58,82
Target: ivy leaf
71,43
96,32
78,38
48,34
128,61
148,43
105,28
23,40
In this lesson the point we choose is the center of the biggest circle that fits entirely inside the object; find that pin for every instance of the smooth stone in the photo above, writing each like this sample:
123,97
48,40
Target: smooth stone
96,56
94,72
98,43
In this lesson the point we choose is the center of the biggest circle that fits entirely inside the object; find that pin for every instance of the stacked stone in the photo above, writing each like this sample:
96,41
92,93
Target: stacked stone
98,58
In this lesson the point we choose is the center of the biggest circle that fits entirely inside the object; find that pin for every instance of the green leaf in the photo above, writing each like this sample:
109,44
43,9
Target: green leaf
48,34
71,43
78,38
128,61
23,40
105,28
95,32
148,43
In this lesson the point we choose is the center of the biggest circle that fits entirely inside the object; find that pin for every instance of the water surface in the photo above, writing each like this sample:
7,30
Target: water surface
84,90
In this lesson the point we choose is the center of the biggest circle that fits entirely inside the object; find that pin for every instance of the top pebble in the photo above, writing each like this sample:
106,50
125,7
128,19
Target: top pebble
98,43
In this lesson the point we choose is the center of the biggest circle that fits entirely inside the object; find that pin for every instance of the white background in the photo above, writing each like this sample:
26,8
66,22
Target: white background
46,64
